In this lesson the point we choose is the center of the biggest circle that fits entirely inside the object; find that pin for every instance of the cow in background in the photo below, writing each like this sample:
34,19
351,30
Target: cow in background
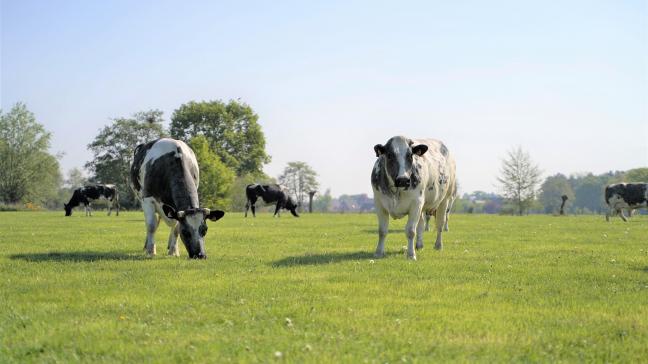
628,196
410,177
270,194
86,194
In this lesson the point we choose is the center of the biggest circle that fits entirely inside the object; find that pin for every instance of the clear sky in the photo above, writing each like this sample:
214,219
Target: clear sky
566,80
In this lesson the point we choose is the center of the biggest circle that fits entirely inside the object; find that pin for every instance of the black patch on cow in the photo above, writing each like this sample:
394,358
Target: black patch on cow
138,158
169,180
379,178
415,177
444,150
443,178
631,193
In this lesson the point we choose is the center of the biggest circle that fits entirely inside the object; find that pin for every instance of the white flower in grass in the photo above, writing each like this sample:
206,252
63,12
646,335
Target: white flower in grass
278,354
371,261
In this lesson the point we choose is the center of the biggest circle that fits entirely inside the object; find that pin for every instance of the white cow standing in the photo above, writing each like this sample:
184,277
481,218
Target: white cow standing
409,178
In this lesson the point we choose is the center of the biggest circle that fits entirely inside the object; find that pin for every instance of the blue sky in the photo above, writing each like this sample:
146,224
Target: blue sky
568,80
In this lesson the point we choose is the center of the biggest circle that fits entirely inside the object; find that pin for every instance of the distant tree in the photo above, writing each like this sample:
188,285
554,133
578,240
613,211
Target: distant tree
299,178
113,150
75,178
28,173
519,178
552,190
231,129
637,175
216,179
589,193
323,203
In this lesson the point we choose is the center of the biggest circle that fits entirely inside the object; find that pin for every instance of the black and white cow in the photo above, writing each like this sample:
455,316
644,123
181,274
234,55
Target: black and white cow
409,178
165,177
629,196
86,194
270,194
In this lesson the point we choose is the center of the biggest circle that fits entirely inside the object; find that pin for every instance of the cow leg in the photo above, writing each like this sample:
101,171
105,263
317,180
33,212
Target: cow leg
109,207
608,214
620,212
413,218
253,208
173,241
247,207
440,223
152,221
383,228
447,219
277,209
423,222
427,221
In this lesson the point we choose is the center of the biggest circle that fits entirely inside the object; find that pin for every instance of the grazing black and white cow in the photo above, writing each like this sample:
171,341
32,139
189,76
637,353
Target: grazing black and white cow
86,194
629,196
409,178
270,194
165,177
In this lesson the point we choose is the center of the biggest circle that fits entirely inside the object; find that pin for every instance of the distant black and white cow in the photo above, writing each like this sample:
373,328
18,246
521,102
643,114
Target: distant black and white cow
165,177
86,194
629,196
270,194
409,178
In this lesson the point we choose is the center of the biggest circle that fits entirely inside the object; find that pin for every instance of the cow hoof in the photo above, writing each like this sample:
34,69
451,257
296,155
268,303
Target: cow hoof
419,246
379,255
438,246
411,257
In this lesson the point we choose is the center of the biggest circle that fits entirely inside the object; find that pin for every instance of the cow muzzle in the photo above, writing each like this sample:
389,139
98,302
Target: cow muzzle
402,181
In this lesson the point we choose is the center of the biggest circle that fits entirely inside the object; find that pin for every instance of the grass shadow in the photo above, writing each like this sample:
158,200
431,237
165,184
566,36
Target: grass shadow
390,231
325,258
85,256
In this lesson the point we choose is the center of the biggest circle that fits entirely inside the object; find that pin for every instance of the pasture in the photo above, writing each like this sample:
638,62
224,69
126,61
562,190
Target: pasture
533,288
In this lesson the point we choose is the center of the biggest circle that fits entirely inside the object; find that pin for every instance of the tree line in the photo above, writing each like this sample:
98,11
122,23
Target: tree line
225,136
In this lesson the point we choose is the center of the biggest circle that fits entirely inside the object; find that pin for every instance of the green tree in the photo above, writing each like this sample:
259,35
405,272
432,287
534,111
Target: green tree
552,190
589,193
75,178
323,203
299,179
637,175
216,179
231,129
113,150
519,179
28,173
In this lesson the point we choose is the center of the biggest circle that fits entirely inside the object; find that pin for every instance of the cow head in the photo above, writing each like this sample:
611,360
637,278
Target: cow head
291,206
398,156
193,227
68,209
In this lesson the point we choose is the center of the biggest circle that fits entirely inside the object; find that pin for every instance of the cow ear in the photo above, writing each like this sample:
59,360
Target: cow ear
215,215
419,149
379,149
169,212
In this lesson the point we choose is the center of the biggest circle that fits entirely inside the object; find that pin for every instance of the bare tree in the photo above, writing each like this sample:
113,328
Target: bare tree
299,179
519,179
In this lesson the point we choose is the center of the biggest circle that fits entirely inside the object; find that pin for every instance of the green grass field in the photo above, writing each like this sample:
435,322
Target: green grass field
522,289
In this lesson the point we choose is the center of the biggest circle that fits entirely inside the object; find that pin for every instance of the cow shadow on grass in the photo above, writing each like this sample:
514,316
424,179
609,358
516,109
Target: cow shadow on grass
324,258
84,256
